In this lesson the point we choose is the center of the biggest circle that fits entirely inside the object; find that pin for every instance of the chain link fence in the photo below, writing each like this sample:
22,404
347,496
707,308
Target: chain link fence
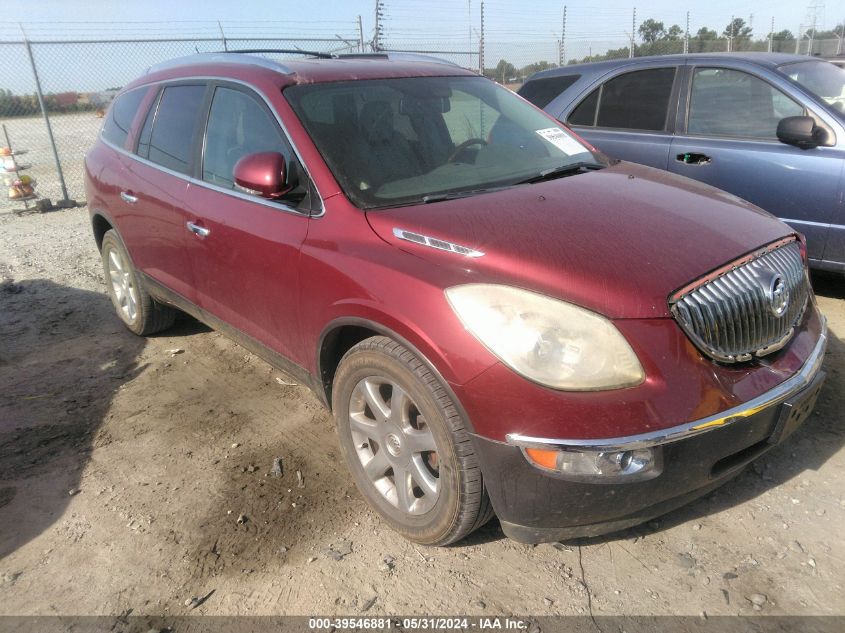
78,79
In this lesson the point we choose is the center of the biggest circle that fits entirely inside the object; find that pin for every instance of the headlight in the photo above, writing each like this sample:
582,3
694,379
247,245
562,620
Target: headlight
551,342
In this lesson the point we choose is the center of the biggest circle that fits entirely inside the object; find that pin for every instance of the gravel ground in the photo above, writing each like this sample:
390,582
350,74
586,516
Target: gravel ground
125,466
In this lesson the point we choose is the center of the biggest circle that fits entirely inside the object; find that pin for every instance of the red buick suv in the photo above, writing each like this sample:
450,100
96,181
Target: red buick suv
501,319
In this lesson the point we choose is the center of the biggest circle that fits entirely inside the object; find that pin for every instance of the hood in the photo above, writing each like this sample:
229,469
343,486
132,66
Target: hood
617,241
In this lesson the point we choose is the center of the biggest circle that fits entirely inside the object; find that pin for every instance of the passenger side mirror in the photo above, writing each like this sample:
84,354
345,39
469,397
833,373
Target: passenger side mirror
801,131
262,173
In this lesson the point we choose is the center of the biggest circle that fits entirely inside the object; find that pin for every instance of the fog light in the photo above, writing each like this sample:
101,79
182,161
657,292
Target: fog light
598,466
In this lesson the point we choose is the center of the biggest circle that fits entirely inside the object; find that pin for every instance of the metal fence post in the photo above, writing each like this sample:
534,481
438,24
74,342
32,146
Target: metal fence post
65,201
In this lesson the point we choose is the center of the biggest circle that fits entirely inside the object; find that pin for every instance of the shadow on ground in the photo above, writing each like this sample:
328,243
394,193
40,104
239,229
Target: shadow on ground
63,355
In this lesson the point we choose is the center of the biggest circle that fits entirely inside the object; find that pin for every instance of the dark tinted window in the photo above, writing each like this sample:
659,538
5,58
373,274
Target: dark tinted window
121,114
541,92
237,125
173,127
728,102
636,101
585,113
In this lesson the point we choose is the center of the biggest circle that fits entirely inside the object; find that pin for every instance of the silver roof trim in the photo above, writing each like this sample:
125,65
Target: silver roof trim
433,242
399,56
218,58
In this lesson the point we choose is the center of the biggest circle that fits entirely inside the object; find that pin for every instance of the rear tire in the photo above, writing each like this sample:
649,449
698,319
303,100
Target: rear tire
139,312
407,445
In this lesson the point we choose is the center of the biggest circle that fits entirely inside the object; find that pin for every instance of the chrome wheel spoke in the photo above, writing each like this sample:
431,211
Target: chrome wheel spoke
360,423
378,406
422,476
399,403
131,302
419,441
402,481
377,466
116,263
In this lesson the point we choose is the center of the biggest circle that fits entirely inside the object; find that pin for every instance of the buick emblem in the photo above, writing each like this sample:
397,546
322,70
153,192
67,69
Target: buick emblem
778,295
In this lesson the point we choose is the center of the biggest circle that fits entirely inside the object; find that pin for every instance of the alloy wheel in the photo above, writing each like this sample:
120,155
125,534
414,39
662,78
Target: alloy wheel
395,445
123,285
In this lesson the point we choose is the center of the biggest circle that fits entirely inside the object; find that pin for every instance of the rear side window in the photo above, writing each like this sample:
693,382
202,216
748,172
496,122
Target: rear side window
726,102
634,101
170,137
541,92
121,114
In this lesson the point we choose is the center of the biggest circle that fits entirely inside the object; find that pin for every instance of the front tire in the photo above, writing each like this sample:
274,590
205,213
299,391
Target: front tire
139,312
407,445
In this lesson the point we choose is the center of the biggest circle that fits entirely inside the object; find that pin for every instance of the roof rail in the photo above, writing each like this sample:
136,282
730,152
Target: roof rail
224,57
399,56
291,51
247,56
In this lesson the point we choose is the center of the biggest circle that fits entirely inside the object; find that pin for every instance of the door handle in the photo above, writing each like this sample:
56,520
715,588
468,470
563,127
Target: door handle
693,158
196,229
128,197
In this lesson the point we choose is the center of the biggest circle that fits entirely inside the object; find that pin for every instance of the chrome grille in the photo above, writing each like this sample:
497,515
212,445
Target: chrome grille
749,309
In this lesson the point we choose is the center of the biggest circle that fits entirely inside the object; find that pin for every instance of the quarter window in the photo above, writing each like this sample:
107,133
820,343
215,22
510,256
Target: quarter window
170,142
726,102
541,92
637,100
121,114
237,125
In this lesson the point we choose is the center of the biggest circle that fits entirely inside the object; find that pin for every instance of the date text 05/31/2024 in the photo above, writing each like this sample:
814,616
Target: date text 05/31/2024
419,623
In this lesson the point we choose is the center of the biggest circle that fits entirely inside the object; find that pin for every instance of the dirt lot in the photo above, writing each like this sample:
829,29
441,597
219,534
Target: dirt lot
124,468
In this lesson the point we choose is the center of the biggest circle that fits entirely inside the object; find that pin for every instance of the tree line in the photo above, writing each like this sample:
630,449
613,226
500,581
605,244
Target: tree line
12,105
657,39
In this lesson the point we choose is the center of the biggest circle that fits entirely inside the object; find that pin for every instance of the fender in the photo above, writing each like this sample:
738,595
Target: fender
386,331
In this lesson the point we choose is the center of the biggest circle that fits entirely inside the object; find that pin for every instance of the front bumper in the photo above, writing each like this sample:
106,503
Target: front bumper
537,506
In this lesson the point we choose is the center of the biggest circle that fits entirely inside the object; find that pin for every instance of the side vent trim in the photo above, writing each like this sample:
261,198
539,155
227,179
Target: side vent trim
433,242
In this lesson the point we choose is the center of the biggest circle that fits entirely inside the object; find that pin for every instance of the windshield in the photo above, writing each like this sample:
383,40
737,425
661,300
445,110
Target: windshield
823,79
401,141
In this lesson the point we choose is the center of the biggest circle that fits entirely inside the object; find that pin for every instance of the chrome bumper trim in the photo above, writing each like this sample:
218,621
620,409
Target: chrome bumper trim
676,433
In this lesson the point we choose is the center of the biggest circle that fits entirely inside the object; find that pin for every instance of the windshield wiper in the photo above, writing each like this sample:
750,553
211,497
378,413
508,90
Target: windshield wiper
454,195
562,171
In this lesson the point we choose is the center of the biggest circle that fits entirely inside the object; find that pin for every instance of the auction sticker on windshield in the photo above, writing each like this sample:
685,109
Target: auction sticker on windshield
562,141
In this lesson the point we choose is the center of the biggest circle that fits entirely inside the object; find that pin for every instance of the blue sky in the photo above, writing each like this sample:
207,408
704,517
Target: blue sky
406,18
519,31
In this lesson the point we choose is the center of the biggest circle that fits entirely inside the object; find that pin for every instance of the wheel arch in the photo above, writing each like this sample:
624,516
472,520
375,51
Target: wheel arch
340,335
101,224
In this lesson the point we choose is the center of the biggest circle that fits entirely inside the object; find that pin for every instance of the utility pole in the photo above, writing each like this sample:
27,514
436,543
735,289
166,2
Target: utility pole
772,34
731,35
481,44
469,32
798,39
360,35
686,37
562,51
377,32
633,33
222,36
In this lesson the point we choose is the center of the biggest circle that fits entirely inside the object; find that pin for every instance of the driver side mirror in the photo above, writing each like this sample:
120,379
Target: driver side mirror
802,132
262,173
